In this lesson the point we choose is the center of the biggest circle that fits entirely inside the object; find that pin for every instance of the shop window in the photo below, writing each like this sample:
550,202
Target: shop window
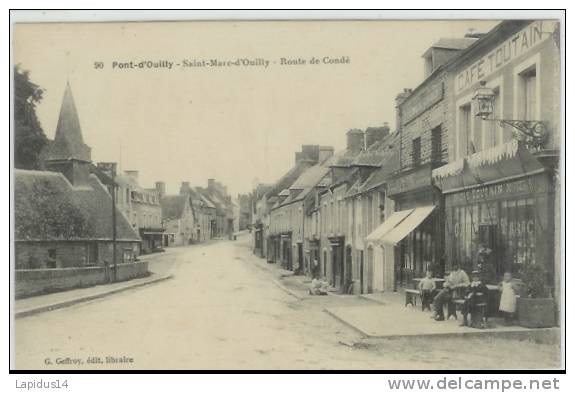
416,151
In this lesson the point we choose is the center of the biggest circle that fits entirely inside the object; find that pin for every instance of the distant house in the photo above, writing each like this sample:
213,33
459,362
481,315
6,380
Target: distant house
178,220
64,216
204,212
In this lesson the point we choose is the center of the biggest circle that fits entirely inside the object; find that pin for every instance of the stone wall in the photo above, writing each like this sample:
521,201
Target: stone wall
31,282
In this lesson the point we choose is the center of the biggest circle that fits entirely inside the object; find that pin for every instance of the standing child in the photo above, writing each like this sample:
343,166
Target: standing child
427,290
508,302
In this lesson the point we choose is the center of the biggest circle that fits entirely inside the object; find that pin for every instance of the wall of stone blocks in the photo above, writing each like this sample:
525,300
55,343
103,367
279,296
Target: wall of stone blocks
32,282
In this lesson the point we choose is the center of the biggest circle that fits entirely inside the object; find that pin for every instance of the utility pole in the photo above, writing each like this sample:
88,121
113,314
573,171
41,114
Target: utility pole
114,231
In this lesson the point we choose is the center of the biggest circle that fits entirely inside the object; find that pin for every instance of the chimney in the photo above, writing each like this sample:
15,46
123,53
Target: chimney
185,187
325,152
310,153
298,157
133,174
399,99
161,189
211,184
109,168
355,140
376,134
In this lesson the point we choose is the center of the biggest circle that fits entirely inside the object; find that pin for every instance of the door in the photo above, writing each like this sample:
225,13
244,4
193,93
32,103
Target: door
369,273
300,257
348,276
361,268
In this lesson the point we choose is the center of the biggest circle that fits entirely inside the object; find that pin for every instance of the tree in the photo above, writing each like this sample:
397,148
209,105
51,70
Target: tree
29,138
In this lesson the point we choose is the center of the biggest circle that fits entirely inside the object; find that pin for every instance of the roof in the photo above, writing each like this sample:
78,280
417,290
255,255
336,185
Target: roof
288,178
306,182
68,142
454,43
343,158
173,206
48,207
376,153
205,199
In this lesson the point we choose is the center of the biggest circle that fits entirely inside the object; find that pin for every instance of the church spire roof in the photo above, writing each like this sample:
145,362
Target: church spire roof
68,142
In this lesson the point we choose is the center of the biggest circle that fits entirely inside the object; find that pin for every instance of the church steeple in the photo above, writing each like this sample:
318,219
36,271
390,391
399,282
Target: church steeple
68,153
68,143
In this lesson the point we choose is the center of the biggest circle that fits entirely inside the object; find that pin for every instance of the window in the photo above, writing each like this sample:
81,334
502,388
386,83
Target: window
436,149
416,151
465,125
492,129
381,206
51,263
527,98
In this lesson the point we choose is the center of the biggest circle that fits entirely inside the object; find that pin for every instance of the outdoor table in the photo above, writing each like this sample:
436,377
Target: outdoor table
438,282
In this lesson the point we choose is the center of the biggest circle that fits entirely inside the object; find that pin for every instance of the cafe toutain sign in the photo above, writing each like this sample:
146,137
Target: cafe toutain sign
520,43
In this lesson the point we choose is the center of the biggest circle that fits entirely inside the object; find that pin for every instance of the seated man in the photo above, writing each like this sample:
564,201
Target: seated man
476,293
457,279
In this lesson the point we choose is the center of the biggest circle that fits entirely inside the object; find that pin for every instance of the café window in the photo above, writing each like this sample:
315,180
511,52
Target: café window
416,151
507,227
465,126
528,94
492,129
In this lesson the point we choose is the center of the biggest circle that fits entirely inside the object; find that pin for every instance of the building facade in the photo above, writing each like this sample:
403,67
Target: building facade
501,187
178,220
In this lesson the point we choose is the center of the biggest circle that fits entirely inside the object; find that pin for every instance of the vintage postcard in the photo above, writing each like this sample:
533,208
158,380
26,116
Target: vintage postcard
288,194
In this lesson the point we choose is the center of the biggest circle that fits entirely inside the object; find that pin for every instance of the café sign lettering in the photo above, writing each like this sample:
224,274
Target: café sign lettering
527,39
421,101
495,191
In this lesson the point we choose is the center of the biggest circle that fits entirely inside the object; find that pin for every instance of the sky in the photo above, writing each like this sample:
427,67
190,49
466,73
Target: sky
237,124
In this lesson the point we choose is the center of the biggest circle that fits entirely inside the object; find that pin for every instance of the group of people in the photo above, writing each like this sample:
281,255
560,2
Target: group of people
473,293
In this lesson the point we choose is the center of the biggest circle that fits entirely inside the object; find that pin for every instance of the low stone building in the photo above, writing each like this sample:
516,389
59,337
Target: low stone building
65,217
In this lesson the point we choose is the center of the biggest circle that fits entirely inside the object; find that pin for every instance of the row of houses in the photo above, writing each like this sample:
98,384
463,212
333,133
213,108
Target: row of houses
472,164
75,213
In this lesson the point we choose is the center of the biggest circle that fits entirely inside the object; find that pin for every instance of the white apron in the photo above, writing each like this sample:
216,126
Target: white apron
508,299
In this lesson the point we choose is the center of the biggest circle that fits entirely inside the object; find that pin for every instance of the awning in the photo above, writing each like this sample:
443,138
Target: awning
408,225
388,225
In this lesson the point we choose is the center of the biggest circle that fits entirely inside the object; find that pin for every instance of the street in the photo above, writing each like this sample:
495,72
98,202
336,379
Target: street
222,311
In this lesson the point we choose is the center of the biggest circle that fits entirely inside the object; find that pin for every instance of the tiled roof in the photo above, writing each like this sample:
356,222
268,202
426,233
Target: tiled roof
48,207
173,206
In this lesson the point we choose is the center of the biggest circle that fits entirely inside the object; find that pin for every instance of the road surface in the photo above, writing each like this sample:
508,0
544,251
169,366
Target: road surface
222,311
